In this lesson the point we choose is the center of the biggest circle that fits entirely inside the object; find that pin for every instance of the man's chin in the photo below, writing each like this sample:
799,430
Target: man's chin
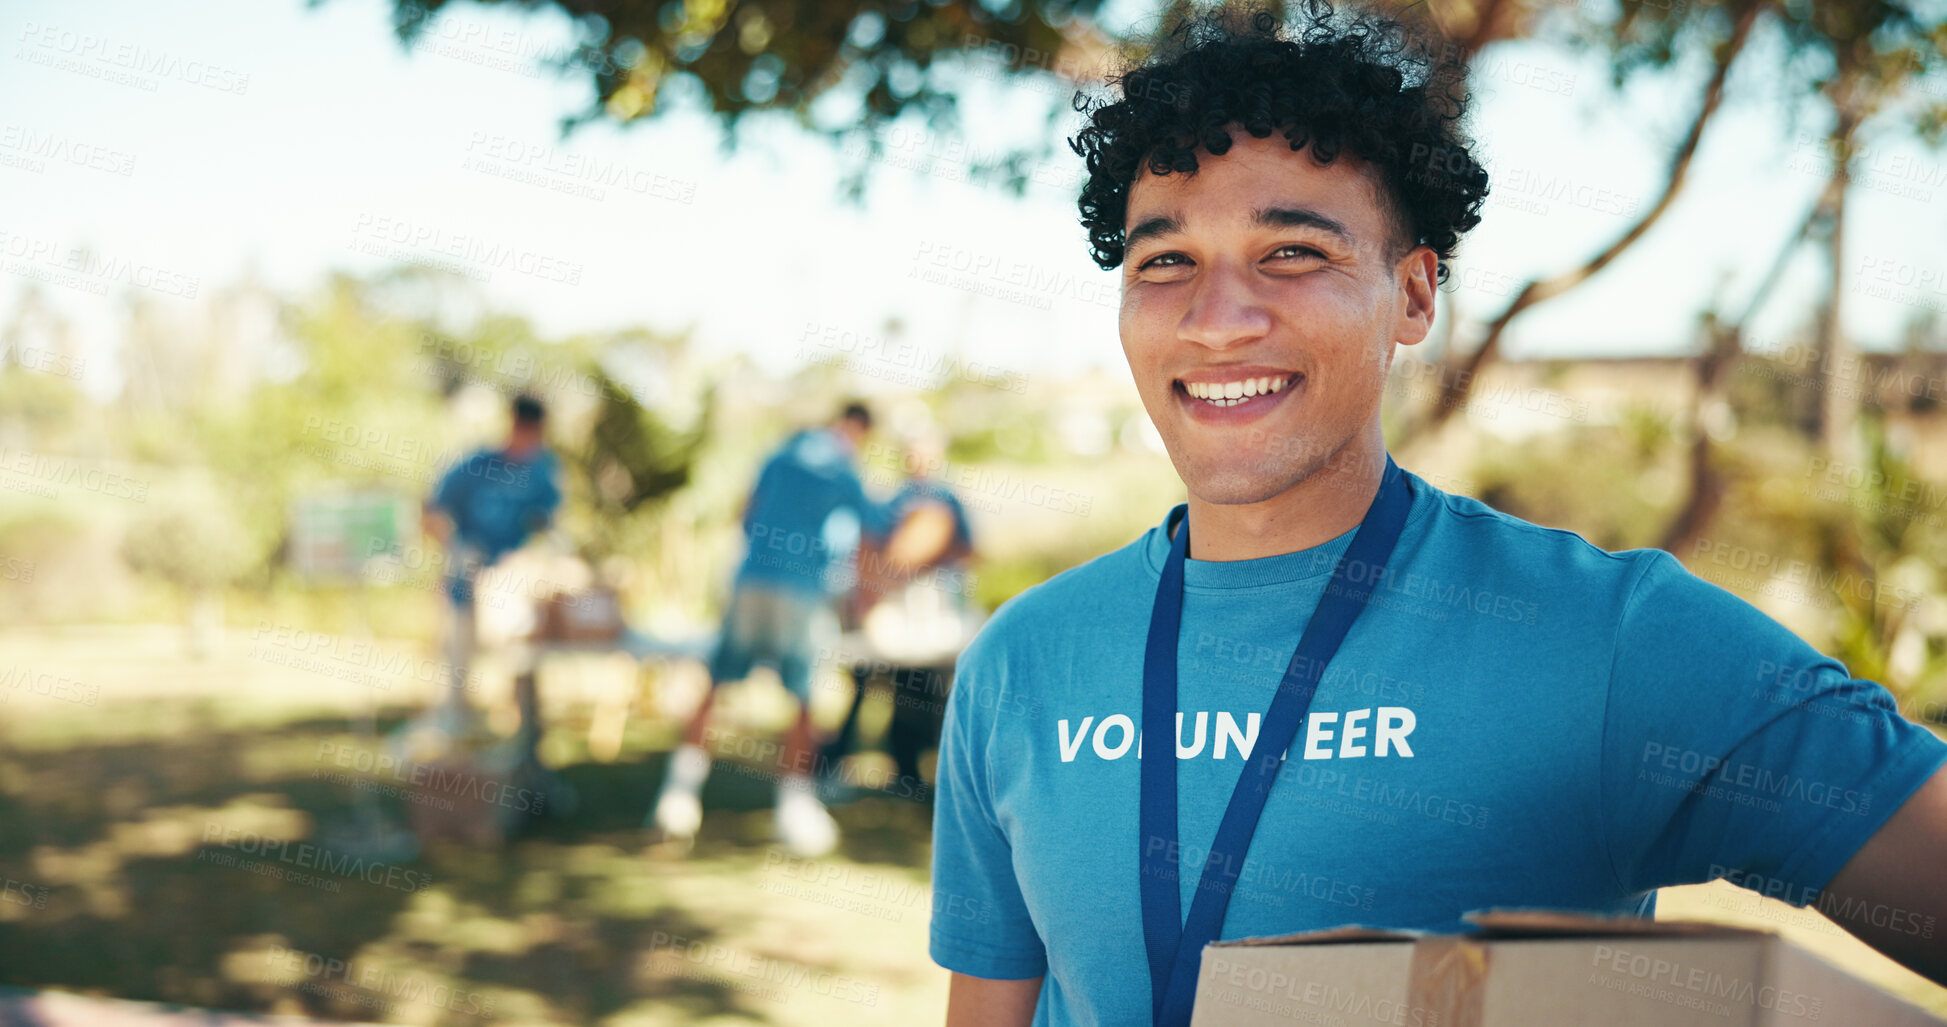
1237,487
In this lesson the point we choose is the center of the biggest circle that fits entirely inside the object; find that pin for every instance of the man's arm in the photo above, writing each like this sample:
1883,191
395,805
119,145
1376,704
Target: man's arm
438,516
922,539
1892,894
979,1002
548,494
435,522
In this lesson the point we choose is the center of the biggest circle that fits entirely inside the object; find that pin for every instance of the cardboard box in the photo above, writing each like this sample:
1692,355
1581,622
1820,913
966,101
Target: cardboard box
1525,967
590,615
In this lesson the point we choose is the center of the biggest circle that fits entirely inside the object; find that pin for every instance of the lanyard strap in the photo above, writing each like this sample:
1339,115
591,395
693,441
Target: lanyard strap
1174,946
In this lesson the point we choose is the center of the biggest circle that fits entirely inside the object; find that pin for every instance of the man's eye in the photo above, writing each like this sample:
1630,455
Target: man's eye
1163,260
1295,250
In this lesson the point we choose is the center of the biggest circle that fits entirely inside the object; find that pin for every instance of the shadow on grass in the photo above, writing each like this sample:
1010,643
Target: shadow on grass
571,921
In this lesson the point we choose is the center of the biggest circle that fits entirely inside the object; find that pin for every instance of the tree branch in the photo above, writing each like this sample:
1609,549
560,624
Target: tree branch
1450,398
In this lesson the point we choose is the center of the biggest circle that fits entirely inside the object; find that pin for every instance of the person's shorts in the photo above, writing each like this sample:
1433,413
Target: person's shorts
787,630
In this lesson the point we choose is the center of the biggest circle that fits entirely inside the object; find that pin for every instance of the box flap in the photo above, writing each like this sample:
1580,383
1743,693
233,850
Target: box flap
1506,922
1329,936
1555,923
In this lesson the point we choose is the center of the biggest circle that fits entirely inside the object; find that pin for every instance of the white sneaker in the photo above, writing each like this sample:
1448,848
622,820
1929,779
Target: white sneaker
802,823
679,813
679,807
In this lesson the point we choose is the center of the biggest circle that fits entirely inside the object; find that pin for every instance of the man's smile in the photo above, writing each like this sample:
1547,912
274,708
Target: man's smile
1229,395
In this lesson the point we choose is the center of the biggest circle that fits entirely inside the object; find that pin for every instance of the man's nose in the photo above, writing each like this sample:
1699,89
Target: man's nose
1225,309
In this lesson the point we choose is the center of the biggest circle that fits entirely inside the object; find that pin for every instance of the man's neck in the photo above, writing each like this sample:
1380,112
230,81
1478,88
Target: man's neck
1328,503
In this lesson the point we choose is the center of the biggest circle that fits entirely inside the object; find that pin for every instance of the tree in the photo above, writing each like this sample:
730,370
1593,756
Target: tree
1854,56
199,546
844,71
629,461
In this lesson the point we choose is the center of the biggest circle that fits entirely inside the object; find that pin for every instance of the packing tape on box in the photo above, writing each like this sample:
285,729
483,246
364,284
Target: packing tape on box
1445,980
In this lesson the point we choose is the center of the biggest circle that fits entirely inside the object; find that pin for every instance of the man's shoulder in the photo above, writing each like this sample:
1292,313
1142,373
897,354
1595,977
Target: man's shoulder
1491,541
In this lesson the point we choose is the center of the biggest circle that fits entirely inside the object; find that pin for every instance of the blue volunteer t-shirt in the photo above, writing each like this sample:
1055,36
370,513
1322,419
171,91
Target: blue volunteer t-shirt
1518,718
805,515
496,502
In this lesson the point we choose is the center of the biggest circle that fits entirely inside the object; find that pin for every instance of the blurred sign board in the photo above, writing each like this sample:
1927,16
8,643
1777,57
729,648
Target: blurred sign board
335,536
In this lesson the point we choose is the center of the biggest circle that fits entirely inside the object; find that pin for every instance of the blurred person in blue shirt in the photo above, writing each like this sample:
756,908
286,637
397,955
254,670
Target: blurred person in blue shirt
913,602
801,524
486,506
935,529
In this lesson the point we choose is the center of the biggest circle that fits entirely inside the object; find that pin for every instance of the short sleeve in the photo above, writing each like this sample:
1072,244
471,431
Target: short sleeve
547,491
446,495
1733,749
980,924
550,488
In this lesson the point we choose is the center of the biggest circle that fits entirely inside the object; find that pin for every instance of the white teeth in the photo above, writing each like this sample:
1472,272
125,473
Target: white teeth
1229,394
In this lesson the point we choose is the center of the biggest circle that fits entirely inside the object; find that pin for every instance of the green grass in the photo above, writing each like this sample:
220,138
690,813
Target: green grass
111,834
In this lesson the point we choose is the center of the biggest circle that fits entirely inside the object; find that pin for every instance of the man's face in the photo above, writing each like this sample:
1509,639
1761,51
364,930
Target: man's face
523,439
1260,304
853,430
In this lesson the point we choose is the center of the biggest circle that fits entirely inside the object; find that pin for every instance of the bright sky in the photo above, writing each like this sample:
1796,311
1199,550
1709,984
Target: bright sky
186,145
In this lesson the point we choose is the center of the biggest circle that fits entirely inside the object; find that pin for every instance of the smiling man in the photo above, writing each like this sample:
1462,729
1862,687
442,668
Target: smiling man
1323,691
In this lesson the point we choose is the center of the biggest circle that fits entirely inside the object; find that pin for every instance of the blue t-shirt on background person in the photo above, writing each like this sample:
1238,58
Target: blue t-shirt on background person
1517,719
917,491
805,516
496,502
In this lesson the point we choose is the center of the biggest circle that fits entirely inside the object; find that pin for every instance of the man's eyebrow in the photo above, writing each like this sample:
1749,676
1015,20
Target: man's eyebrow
1161,224
1299,217
1262,217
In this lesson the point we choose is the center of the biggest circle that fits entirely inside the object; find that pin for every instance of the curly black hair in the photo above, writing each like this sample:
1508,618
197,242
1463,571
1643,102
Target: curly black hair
1392,94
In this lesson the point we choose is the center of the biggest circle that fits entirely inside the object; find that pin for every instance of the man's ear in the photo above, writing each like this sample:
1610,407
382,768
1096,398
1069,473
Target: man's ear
1417,275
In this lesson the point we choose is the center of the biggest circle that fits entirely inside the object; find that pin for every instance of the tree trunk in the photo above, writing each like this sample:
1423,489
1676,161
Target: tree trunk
1451,398
1724,350
1839,396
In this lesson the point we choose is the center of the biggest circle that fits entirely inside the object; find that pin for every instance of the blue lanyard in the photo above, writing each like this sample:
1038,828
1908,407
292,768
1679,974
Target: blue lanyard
1175,947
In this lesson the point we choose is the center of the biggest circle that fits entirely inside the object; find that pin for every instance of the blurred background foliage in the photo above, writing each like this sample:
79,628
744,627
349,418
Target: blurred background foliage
374,386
